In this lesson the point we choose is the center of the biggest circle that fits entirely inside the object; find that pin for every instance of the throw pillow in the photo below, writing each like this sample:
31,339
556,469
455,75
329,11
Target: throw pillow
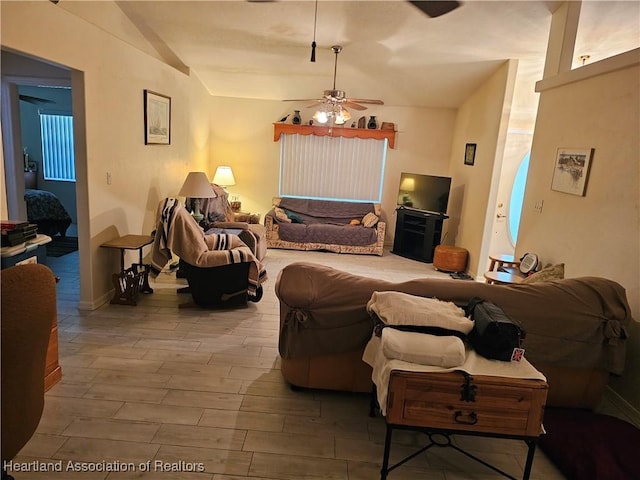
294,217
281,215
553,272
370,220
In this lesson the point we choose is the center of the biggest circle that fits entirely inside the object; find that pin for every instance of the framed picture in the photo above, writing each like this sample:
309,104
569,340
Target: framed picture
571,170
470,154
157,118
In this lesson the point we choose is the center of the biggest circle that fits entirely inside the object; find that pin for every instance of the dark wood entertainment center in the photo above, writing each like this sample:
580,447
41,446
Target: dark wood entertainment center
417,233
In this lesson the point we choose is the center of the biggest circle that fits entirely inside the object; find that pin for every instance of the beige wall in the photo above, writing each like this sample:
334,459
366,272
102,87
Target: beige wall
114,76
598,234
483,120
242,136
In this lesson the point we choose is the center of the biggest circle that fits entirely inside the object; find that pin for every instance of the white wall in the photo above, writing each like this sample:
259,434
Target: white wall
598,234
113,76
482,120
242,136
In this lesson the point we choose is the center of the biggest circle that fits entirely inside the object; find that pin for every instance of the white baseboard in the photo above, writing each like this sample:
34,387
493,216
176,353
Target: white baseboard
90,306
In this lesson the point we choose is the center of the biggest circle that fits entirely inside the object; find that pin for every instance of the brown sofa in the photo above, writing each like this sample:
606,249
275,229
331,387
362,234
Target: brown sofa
576,328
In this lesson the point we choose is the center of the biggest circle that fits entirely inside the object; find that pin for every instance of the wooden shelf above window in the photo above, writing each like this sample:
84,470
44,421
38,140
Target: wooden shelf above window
280,128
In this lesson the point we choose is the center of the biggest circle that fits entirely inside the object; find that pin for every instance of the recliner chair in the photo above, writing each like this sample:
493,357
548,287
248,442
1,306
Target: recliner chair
28,312
220,269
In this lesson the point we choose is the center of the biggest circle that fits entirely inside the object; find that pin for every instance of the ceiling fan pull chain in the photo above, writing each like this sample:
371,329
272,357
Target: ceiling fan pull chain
313,44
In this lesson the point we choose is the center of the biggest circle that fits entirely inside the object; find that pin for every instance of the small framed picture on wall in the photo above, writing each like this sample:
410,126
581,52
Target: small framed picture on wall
470,154
157,118
571,170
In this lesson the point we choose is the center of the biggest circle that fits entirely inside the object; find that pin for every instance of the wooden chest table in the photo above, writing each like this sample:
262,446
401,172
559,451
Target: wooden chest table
444,403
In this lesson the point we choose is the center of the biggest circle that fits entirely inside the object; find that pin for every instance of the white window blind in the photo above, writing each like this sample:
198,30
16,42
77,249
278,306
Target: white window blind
58,161
336,168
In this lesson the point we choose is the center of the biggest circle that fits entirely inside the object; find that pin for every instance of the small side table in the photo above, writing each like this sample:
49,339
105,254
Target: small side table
503,278
129,282
500,261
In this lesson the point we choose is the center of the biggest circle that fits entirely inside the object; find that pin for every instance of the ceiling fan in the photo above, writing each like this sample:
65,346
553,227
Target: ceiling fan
35,100
333,101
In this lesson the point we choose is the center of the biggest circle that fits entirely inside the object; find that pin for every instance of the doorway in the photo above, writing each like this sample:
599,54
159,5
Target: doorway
509,202
31,88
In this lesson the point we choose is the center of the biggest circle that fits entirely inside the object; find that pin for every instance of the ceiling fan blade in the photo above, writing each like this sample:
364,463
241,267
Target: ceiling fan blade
35,100
366,100
435,8
303,100
353,105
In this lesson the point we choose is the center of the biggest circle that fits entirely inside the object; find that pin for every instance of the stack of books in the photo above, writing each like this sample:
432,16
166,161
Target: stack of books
16,232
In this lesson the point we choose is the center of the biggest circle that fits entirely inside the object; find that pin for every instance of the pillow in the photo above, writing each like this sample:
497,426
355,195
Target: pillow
355,221
553,272
443,351
370,219
293,217
281,215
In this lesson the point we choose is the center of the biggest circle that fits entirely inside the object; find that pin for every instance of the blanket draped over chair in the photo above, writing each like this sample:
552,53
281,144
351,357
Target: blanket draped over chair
177,232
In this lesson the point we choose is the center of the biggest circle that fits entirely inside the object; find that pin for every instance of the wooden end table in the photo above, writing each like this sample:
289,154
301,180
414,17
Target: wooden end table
130,281
444,404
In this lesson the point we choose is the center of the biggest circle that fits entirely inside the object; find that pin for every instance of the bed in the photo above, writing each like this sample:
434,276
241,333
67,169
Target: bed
46,210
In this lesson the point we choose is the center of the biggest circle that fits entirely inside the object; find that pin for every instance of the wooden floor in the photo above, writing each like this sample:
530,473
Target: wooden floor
202,389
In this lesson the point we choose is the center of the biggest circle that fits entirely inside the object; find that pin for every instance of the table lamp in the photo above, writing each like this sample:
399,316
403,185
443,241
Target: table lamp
224,176
197,186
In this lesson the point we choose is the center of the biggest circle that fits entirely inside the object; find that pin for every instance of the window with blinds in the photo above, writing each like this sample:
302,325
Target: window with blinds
332,168
58,160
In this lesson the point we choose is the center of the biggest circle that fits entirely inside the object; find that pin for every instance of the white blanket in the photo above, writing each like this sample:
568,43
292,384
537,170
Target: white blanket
473,365
398,308
422,348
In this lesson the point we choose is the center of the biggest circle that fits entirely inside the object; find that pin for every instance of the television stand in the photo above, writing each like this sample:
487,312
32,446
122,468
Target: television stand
417,234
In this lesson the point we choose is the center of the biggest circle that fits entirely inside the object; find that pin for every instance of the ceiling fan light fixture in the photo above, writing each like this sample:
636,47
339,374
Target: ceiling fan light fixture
342,116
332,111
321,116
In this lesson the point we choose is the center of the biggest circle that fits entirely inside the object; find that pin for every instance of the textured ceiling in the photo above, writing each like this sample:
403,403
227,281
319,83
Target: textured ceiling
392,51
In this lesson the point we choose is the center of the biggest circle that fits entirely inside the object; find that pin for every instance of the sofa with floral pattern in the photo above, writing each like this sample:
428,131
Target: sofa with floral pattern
331,225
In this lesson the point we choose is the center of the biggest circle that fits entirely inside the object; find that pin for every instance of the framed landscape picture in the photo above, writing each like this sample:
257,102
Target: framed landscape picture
157,118
571,170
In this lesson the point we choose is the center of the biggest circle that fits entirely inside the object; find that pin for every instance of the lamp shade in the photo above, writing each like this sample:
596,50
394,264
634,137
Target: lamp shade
224,176
408,184
197,185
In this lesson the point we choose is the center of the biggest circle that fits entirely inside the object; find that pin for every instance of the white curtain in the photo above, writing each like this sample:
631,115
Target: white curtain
332,167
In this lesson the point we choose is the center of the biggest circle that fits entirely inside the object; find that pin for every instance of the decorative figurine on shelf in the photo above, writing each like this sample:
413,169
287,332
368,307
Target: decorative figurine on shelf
373,123
297,119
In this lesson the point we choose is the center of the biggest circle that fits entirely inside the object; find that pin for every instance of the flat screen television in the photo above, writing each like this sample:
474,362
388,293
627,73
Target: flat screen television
424,192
